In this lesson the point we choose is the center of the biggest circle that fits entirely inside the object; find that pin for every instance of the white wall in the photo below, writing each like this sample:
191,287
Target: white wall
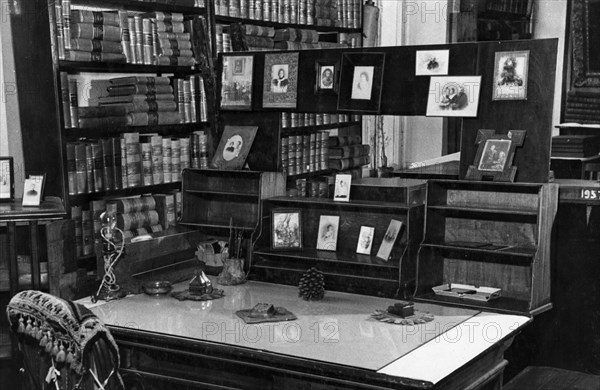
550,21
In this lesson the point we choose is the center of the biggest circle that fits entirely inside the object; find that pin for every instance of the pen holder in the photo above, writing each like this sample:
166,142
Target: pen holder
233,272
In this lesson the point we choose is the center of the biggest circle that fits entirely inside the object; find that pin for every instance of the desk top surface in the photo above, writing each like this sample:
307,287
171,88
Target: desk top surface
336,330
51,208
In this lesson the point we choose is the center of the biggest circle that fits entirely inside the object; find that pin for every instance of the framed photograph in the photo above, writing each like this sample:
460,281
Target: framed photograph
236,83
41,177
495,155
326,74
361,81
7,179
286,229
328,232
365,240
510,75
32,192
280,88
432,62
389,239
454,96
342,188
234,147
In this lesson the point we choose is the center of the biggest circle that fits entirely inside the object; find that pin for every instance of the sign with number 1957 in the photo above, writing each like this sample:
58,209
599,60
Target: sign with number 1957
590,194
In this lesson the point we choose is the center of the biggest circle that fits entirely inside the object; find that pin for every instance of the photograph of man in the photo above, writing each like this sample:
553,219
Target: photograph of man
326,77
453,97
362,82
280,82
233,147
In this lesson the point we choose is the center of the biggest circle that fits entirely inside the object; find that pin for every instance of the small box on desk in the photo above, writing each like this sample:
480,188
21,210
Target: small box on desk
410,192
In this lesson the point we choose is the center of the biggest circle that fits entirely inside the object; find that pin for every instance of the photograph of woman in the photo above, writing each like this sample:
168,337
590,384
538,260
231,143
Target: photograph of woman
362,82
280,80
326,77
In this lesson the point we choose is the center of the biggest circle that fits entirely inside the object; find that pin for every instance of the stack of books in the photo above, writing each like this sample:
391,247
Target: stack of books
300,39
347,152
576,146
305,119
94,36
304,153
258,38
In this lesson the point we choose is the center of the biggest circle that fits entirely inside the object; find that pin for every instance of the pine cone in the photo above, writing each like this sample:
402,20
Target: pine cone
312,285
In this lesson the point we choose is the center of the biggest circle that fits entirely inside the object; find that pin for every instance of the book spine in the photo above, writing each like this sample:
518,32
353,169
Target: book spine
124,175
147,42
107,157
60,33
81,170
155,43
132,40
187,101
74,114
88,232
162,208
98,166
194,99
125,36
76,215
166,150
181,100
175,160
203,101
134,205
71,169
134,159
146,148
65,101
97,207
116,160
136,220
89,164
66,19
157,159
139,38
184,144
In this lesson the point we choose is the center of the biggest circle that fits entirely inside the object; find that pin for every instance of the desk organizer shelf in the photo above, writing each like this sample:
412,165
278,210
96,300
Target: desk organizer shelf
344,269
488,234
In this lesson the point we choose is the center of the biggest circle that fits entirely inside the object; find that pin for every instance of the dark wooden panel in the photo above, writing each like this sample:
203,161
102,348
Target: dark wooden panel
533,115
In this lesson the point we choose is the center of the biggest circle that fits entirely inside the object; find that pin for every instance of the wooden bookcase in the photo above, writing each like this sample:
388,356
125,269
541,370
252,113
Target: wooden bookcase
488,234
344,269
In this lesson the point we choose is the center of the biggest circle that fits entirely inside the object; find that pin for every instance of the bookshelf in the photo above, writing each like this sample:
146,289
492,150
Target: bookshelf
488,234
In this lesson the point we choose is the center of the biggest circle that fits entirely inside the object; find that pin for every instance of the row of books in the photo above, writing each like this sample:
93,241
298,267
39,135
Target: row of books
135,101
519,7
223,39
132,160
268,38
156,38
347,152
337,13
306,119
582,107
135,216
320,186
304,153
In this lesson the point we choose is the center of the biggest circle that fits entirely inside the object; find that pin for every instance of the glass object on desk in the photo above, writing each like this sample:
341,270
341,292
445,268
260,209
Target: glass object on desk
112,249
233,272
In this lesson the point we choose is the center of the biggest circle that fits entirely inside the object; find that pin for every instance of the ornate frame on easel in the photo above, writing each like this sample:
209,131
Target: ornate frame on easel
495,155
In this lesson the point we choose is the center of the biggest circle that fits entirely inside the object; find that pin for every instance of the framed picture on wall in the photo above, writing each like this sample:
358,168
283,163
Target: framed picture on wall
454,96
326,74
361,81
236,83
510,75
7,179
432,62
280,89
286,229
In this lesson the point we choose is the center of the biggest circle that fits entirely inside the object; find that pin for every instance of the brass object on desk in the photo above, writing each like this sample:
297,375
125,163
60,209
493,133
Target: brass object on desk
161,287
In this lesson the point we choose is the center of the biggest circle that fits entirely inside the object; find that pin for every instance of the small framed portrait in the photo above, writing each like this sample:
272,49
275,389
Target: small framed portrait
7,179
389,239
41,177
510,75
236,83
361,82
32,192
432,62
328,232
342,188
280,88
286,229
326,74
454,96
234,147
495,155
365,240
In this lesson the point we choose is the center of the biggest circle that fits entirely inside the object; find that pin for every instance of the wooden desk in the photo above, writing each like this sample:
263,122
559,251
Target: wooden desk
333,344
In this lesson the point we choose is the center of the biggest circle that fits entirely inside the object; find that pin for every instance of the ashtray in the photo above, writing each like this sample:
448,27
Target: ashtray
161,287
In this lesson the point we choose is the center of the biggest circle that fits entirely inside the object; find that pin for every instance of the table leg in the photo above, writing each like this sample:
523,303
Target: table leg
12,257
35,255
